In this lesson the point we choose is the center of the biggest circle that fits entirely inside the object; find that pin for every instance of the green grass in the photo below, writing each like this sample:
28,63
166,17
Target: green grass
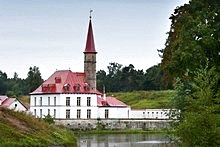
145,99
20,129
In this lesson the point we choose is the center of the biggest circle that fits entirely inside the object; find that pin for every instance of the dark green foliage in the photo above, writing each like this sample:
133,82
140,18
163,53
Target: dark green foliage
49,119
194,38
34,78
154,78
198,100
127,78
15,87
191,59
3,86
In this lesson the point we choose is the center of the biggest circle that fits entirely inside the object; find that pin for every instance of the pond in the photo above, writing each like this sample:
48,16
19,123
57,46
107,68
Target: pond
124,140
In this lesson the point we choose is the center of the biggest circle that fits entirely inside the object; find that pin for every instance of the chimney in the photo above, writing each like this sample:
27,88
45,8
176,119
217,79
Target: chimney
104,95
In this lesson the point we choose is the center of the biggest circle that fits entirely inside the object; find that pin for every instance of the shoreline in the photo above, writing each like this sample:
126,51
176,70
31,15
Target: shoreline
123,132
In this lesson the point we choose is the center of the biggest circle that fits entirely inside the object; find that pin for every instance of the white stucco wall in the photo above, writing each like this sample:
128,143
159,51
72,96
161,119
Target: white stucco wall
60,105
96,112
149,113
137,113
17,106
114,112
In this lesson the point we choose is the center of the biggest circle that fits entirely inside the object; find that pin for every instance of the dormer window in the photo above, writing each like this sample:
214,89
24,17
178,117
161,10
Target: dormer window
45,88
52,88
49,88
66,87
86,87
104,103
77,87
57,80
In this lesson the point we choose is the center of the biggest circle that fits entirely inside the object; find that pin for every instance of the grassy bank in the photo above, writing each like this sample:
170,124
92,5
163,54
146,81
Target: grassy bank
145,99
19,129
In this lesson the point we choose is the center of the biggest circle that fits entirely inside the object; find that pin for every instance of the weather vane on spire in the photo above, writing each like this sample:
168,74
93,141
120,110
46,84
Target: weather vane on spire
90,12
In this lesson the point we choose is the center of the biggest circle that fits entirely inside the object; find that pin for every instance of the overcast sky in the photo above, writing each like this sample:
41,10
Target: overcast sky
51,34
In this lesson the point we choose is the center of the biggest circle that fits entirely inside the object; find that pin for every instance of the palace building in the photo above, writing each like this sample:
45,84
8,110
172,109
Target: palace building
68,95
73,95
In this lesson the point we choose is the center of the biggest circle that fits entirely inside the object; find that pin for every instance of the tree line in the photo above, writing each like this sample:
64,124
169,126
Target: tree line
127,78
16,86
117,78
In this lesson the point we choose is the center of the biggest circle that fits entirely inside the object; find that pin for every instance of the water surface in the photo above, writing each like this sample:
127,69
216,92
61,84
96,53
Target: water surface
124,140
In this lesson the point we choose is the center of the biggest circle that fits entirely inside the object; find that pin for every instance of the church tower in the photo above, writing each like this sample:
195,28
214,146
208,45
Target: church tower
90,58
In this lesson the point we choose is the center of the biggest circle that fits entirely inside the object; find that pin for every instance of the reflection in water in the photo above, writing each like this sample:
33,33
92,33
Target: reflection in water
124,140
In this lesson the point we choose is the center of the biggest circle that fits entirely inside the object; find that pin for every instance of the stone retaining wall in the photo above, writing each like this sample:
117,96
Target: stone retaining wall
115,124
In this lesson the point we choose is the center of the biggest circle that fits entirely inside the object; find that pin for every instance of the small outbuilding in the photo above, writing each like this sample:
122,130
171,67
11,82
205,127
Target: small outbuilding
11,103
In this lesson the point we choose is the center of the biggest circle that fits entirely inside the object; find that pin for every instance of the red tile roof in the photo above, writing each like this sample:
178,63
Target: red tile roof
90,45
6,101
110,101
3,98
65,81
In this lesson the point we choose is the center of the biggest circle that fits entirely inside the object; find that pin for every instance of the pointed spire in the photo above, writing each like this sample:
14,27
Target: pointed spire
90,45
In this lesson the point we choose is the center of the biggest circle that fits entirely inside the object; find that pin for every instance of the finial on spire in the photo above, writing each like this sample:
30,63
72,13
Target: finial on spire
90,13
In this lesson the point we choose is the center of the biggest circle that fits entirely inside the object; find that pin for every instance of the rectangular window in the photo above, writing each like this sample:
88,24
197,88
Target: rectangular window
48,101
88,113
88,101
106,113
78,101
67,101
54,101
78,113
35,112
40,113
54,113
40,101
35,101
67,113
48,111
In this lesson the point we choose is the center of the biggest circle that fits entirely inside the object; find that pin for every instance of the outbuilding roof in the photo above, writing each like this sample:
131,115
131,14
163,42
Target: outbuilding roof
3,98
110,101
7,102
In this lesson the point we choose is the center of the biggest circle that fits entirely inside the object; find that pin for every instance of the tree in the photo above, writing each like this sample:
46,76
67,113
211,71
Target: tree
33,79
15,76
127,78
153,78
198,100
113,77
101,79
191,59
193,38
3,85
113,69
